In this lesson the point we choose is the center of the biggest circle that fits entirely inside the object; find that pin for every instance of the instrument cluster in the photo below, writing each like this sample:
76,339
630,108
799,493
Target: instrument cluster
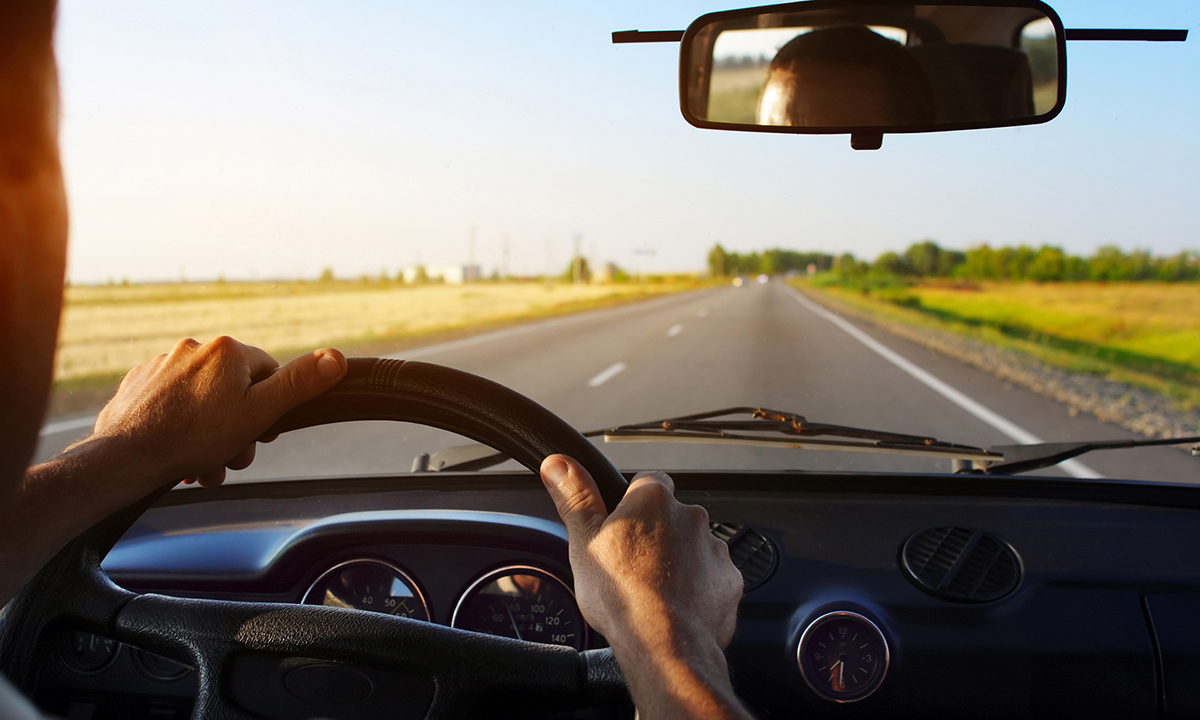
522,602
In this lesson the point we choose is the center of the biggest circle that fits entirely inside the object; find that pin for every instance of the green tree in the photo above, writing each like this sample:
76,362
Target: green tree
585,273
716,262
889,263
922,258
1048,265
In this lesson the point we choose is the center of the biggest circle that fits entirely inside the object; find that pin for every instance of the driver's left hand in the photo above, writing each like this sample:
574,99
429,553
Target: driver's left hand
190,414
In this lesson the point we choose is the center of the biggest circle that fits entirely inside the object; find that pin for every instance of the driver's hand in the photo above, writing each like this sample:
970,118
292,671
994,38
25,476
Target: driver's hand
199,409
655,582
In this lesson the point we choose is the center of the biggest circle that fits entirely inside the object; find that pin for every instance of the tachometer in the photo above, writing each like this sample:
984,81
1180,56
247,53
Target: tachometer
523,603
369,585
843,656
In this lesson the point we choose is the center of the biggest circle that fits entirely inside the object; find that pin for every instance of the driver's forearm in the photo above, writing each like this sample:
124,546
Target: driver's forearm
56,501
687,681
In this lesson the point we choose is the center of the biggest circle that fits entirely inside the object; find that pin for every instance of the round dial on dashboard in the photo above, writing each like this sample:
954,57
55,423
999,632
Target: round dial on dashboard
523,603
843,656
369,585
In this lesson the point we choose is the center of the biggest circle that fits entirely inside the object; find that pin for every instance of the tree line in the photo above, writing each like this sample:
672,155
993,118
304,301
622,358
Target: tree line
926,259
723,263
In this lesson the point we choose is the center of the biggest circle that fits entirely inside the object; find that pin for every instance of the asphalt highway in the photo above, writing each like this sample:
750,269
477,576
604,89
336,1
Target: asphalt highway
756,345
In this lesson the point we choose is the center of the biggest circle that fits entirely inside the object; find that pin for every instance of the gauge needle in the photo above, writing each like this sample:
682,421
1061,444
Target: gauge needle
836,675
516,631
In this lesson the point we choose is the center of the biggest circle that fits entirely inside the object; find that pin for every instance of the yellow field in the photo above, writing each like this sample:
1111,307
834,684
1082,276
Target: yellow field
107,330
1145,333
1158,320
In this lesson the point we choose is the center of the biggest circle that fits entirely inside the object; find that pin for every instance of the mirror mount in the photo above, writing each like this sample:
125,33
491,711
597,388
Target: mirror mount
866,141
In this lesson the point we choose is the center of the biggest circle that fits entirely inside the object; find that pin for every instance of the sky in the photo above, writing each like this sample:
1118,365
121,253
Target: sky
206,139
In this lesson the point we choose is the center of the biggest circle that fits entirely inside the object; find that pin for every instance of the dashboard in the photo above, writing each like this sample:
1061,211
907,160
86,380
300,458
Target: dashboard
865,595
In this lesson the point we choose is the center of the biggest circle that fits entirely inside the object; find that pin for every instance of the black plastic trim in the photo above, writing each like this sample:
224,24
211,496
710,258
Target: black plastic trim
1126,492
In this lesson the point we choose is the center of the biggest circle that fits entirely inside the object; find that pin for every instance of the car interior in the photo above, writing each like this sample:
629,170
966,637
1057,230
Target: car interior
992,591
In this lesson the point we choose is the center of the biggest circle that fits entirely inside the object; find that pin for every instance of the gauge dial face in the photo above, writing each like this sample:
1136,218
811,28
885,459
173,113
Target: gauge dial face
843,656
523,603
369,585
86,653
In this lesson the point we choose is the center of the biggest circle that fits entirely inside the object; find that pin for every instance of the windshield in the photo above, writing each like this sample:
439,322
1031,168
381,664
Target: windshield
505,191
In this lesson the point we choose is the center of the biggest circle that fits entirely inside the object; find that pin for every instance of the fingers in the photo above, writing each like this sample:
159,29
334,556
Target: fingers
575,496
242,460
301,379
212,478
652,476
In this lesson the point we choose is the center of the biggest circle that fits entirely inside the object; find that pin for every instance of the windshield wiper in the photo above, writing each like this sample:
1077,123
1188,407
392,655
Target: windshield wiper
716,427
1023,458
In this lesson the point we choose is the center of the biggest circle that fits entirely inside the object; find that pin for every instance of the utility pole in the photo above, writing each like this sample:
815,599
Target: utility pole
549,252
469,275
577,261
504,263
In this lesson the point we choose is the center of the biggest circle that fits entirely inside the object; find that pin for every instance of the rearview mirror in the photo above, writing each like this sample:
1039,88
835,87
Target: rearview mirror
874,68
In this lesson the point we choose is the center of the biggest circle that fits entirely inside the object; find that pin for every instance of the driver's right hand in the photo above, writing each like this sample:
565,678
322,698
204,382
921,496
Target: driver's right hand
654,581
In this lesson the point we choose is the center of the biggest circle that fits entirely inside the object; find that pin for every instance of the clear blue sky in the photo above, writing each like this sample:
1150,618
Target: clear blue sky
274,139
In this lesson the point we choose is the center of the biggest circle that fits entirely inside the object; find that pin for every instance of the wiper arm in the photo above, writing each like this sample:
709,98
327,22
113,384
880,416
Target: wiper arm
716,428
1023,458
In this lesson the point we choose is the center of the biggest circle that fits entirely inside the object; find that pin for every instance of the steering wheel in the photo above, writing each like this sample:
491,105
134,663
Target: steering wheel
435,671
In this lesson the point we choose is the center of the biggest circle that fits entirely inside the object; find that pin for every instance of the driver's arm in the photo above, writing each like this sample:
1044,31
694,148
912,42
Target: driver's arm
187,415
654,581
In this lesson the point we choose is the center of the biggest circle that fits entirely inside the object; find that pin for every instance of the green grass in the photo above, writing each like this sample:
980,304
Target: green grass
1145,334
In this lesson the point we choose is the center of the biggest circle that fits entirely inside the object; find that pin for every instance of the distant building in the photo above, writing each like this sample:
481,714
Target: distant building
606,273
449,274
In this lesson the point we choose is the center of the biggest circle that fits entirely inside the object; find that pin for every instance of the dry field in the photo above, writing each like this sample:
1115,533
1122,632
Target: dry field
107,330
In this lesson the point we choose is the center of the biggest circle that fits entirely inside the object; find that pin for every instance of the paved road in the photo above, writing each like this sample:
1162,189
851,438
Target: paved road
760,345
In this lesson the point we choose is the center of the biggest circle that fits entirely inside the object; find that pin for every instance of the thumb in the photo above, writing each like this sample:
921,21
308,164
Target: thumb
575,496
301,379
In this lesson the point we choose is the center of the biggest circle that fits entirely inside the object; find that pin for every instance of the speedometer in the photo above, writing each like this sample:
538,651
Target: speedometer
524,603
369,585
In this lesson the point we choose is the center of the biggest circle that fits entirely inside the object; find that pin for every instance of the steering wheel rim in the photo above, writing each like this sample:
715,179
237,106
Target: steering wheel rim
209,635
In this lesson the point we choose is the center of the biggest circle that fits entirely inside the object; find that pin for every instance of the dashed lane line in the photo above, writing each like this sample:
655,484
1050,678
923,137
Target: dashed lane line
607,374
674,330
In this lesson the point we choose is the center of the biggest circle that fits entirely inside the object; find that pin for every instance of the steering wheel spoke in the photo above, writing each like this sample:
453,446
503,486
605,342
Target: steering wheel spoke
267,649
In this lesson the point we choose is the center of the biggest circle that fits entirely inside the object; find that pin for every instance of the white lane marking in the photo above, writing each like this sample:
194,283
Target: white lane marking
1073,468
674,330
532,327
63,426
607,374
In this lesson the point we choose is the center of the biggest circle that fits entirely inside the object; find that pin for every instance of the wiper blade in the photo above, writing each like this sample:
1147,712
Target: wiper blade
1023,458
716,427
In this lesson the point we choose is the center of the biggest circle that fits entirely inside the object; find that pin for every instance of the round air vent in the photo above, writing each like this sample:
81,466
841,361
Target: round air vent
961,565
752,553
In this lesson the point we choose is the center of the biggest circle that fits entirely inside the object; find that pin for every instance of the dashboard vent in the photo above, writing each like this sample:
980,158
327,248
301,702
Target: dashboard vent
752,553
961,565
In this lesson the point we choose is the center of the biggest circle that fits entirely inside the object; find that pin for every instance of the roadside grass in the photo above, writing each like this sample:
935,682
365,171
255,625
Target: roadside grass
1145,334
107,330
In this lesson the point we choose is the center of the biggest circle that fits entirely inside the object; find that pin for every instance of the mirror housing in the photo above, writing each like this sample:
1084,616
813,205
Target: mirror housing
870,68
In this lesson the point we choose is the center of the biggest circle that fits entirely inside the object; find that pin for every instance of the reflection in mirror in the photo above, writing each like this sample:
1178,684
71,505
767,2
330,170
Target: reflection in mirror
873,66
